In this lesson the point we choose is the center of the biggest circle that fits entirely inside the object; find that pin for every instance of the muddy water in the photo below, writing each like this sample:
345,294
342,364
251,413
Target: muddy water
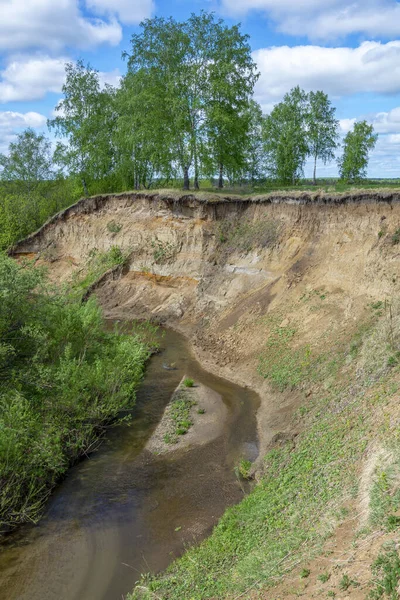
124,512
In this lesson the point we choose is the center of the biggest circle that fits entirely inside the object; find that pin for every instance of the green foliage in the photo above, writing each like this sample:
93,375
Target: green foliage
86,118
356,148
285,137
180,414
243,469
195,80
188,382
322,128
98,264
304,573
114,227
28,162
324,577
386,574
63,378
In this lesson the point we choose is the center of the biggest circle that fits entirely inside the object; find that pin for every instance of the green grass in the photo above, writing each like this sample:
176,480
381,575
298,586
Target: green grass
386,574
188,382
180,417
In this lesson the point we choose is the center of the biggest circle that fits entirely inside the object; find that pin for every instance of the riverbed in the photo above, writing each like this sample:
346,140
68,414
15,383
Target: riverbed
125,511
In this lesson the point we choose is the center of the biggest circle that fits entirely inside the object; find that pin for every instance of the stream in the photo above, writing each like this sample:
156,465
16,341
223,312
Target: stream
124,511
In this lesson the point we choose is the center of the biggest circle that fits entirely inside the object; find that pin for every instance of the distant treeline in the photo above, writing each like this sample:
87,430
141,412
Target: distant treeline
184,110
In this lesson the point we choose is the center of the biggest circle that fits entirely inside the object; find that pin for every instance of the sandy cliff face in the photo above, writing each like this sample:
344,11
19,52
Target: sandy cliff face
206,266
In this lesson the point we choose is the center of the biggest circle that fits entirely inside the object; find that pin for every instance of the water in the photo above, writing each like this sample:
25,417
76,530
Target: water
124,512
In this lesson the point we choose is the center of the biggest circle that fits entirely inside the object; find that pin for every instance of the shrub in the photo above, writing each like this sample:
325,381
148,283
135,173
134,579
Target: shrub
188,382
63,378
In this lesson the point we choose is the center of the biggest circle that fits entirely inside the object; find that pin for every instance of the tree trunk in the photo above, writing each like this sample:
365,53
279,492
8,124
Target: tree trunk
85,189
186,182
221,177
196,168
315,170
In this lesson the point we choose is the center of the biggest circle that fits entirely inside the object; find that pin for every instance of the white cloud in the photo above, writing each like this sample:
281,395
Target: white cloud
130,12
346,125
31,78
52,24
328,19
27,78
372,67
10,122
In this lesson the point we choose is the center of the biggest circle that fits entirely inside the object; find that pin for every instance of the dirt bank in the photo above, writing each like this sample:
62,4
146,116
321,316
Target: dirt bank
261,287
205,266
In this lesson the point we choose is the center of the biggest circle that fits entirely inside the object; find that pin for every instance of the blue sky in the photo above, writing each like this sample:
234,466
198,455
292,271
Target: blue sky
351,50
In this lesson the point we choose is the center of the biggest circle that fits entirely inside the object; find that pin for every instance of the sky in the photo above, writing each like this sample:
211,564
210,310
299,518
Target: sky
350,49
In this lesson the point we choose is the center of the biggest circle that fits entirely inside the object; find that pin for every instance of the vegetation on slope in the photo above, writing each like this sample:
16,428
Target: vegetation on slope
63,379
309,481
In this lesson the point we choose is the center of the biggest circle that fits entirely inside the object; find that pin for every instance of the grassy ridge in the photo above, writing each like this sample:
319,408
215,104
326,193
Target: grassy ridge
63,378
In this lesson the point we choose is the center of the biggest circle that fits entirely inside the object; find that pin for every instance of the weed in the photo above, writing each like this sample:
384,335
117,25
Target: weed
324,577
98,264
163,251
331,594
386,574
188,382
396,237
201,411
180,414
346,582
114,227
304,573
243,469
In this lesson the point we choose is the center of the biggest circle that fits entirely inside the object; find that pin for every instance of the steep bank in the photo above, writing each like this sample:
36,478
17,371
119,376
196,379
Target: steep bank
215,267
293,296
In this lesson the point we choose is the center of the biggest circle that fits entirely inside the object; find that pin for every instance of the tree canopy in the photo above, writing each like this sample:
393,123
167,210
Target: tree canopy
357,145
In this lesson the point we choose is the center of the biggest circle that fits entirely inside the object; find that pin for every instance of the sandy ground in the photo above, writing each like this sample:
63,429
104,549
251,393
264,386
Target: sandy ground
205,426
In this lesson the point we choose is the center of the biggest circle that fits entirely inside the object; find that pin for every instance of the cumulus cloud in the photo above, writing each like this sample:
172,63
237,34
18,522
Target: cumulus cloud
10,122
48,24
130,12
27,78
325,20
31,78
371,67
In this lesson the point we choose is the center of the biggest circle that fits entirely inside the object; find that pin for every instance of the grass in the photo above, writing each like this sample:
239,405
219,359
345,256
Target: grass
243,469
188,382
98,264
297,504
284,366
386,574
179,414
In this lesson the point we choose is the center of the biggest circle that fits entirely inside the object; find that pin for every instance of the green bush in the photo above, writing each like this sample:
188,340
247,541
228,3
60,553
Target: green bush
188,382
63,378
